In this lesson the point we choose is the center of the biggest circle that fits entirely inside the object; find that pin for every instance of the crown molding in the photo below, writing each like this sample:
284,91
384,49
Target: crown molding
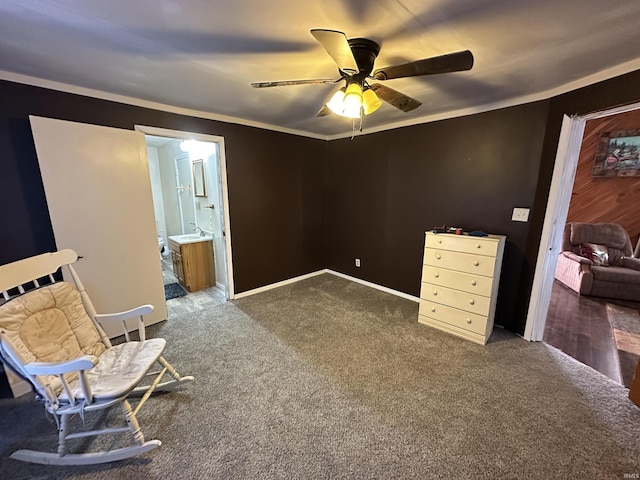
600,76
89,92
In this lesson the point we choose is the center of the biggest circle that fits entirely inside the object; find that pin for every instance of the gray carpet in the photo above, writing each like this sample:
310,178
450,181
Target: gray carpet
329,379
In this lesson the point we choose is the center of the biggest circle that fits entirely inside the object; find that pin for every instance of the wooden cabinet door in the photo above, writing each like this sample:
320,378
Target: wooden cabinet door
178,268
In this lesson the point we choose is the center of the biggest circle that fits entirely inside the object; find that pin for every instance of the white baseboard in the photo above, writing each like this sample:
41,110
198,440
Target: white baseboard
397,293
278,284
332,272
222,288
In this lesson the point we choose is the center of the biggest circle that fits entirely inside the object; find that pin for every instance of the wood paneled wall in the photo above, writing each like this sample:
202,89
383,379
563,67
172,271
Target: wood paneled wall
607,200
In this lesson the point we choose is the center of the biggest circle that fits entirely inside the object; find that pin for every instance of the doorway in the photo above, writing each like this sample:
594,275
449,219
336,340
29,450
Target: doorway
566,162
189,187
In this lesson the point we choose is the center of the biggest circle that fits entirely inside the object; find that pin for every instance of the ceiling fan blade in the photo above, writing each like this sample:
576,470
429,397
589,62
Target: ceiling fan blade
452,62
337,46
395,98
285,83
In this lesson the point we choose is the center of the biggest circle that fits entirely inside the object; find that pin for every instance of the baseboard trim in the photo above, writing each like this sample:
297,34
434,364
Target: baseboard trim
277,284
397,293
289,281
221,288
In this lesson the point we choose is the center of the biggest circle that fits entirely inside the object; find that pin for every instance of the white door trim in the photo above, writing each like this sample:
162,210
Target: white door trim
203,137
557,208
555,218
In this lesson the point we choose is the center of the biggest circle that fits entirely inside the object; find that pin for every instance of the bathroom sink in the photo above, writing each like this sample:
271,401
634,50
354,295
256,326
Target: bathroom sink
188,238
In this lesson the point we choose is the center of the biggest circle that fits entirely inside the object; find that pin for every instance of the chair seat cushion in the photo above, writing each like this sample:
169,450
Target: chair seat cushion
120,369
615,274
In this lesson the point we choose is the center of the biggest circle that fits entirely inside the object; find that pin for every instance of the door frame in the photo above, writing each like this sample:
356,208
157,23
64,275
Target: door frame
564,171
203,137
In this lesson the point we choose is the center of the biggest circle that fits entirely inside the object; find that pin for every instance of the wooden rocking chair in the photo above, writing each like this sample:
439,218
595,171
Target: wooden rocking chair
52,336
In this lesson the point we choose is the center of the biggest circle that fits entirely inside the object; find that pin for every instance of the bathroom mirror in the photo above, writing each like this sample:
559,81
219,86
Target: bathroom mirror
199,186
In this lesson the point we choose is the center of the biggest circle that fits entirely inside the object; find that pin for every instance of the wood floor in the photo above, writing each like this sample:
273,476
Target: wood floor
578,325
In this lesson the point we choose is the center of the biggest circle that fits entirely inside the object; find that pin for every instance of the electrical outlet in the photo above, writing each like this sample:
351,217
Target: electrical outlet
520,215
357,262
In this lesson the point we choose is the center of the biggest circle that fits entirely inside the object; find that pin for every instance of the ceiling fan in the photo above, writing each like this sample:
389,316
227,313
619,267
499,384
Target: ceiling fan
355,58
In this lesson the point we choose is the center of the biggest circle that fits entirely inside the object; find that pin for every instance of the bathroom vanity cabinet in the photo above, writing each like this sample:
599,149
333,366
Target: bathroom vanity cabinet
193,263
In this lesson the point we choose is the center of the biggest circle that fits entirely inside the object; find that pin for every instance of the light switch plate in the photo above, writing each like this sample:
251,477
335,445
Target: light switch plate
520,215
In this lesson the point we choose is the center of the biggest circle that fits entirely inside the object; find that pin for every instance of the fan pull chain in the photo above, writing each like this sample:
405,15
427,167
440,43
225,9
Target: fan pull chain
353,127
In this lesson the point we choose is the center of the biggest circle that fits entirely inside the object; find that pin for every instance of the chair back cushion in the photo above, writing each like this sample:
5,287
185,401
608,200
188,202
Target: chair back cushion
611,235
49,324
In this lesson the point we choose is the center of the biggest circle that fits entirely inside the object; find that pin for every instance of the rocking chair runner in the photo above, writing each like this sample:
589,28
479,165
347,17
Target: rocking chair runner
52,336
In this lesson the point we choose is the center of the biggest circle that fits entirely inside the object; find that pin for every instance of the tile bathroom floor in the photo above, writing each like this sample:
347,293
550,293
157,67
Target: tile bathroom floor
191,302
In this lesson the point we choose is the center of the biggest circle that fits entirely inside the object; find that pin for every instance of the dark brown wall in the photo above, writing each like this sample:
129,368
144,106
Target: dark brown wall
610,199
386,189
382,190
276,183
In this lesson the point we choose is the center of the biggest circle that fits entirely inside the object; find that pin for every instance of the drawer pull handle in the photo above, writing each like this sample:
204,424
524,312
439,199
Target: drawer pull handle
435,292
436,274
433,309
438,256
439,240
478,246
476,263
468,320
471,301
473,282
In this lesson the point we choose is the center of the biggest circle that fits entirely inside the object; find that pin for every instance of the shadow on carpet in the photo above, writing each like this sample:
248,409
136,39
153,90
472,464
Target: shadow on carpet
625,322
173,290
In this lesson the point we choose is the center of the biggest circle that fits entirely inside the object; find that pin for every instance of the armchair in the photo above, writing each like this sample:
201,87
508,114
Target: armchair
597,260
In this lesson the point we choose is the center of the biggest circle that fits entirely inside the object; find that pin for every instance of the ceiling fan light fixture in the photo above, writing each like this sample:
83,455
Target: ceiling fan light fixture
336,104
370,101
355,58
352,104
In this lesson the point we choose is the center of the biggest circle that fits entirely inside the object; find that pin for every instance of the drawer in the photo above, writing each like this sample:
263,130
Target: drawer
464,262
463,243
460,281
452,316
455,298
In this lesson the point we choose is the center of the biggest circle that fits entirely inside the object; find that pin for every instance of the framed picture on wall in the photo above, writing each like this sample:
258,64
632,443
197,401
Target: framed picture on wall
618,154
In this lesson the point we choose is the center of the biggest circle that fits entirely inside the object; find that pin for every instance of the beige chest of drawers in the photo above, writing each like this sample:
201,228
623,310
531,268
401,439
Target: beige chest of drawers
460,277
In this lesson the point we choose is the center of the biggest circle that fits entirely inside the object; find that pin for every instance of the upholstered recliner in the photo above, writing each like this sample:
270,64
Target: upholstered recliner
597,260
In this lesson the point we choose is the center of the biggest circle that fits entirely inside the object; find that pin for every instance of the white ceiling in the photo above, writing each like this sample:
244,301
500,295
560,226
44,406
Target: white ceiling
202,54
